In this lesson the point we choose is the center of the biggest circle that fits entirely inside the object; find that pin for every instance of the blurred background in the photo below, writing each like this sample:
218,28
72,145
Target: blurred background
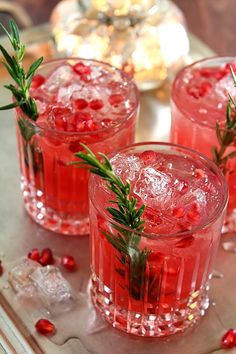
212,21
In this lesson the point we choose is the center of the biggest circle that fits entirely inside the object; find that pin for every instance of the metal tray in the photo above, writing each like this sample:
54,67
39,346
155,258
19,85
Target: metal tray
83,331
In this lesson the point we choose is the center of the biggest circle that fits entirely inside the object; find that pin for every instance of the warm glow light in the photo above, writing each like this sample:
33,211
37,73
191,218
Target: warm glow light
173,41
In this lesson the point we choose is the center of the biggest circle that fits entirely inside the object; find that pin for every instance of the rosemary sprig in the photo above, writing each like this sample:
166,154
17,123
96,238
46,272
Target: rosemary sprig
22,79
227,137
127,221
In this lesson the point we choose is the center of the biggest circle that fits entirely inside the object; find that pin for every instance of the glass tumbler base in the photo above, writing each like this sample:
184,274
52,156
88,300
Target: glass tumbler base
48,218
149,325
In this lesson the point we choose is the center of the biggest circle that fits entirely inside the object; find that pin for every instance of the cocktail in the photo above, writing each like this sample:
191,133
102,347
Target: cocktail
200,102
156,216
78,101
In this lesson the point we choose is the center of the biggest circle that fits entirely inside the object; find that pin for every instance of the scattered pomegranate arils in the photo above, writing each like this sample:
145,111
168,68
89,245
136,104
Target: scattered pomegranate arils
37,81
193,91
115,99
229,339
1,268
46,257
34,255
81,69
68,262
80,103
96,104
75,147
45,327
193,216
178,212
185,242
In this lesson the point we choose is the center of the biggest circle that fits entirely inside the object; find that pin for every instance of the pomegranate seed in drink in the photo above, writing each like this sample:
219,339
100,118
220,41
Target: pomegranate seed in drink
75,100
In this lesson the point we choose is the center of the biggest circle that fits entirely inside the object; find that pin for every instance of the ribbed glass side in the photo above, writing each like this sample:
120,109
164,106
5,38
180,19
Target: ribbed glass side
168,296
56,193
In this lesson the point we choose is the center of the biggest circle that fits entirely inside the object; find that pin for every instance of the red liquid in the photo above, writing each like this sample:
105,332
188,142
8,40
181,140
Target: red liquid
86,102
181,195
199,100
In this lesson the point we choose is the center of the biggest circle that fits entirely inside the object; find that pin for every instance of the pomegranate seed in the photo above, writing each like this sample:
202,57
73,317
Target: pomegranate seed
205,72
114,100
96,104
178,212
185,242
37,81
229,339
204,88
34,255
46,257
220,74
80,103
68,263
45,327
60,114
193,91
148,157
1,268
193,216
81,69
156,257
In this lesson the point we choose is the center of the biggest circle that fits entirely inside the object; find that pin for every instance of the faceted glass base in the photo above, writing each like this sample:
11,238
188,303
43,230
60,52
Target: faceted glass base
50,219
149,325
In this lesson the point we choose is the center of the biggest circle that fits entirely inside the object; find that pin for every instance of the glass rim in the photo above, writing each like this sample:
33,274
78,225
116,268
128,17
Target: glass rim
126,117
212,166
188,115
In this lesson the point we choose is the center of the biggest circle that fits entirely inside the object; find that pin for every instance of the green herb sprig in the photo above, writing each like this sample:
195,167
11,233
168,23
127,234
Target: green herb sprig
227,136
22,79
127,220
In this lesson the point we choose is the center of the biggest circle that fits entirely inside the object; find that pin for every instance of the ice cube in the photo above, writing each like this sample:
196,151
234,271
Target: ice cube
225,86
53,289
127,167
152,185
65,93
19,277
61,76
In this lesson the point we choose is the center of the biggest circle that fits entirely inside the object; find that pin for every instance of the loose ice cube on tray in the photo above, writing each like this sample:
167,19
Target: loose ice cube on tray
53,289
19,277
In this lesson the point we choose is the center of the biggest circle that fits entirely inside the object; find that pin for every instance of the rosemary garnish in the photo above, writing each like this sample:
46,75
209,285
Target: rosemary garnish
23,79
128,224
226,136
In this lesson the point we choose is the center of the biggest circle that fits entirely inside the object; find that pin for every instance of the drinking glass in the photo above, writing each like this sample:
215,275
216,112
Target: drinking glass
198,101
79,101
155,282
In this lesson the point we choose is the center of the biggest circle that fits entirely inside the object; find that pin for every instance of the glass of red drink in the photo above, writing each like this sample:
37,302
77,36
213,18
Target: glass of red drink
78,101
199,98
185,196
